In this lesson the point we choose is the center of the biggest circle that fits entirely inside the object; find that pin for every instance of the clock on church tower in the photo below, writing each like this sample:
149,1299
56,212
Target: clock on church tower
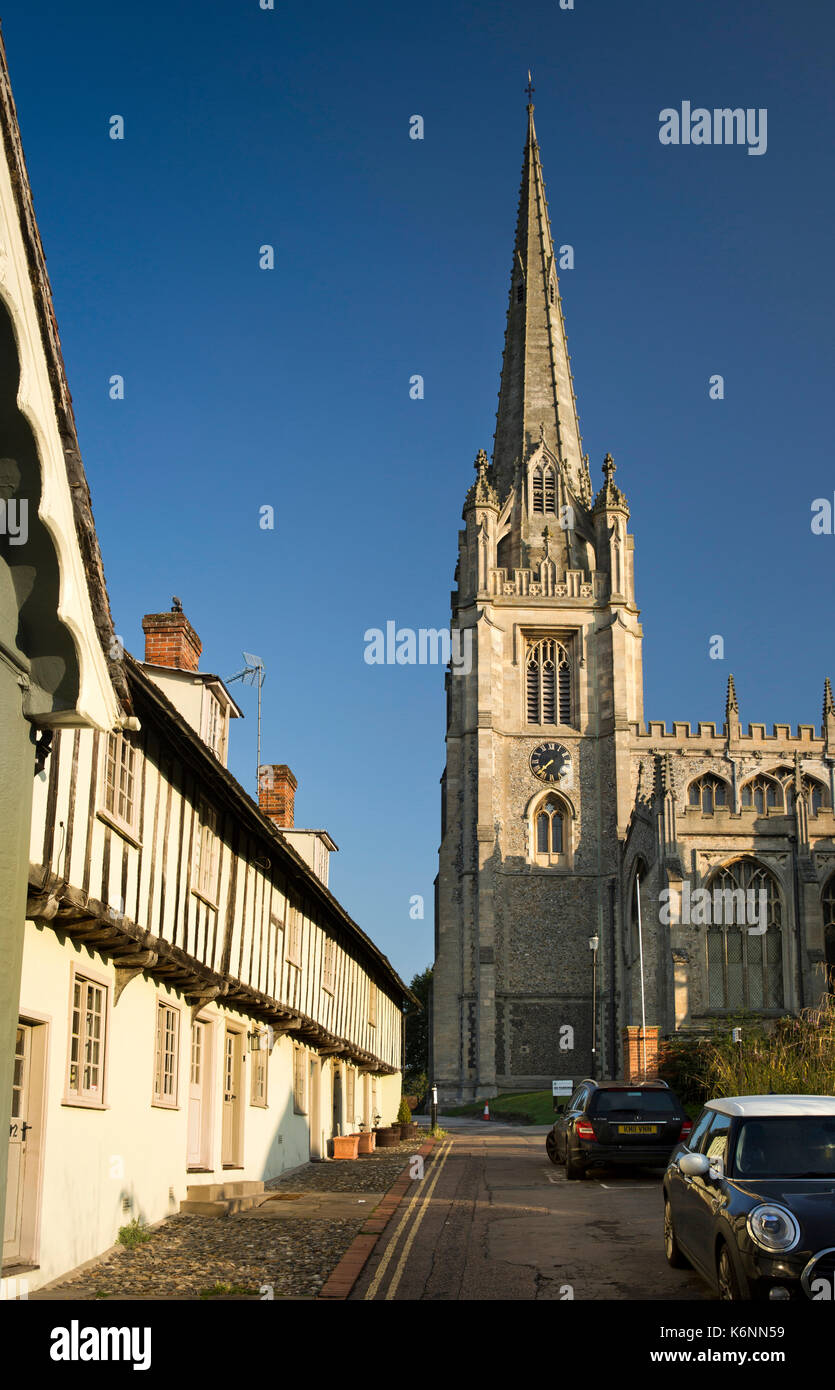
550,762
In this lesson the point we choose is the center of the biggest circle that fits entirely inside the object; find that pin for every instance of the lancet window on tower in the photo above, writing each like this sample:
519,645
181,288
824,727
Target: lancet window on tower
548,683
544,489
549,828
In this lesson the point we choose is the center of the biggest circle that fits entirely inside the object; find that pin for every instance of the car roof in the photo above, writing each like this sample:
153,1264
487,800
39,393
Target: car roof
771,1106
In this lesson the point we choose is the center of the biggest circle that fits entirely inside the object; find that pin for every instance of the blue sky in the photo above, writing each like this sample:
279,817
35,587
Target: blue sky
290,387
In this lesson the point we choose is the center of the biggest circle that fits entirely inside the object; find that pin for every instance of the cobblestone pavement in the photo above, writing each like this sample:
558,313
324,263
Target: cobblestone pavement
188,1256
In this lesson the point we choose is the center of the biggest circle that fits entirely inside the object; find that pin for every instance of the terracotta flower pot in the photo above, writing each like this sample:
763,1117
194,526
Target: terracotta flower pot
345,1145
366,1143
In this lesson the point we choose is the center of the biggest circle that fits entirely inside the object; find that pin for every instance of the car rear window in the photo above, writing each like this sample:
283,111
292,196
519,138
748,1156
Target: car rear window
633,1102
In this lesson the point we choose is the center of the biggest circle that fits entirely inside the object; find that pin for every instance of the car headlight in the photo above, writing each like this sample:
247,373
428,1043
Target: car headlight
773,1228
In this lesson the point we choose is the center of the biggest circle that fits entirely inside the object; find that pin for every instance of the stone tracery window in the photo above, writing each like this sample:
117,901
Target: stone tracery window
814,791
547,682
762,794
709,793
744,968
550,831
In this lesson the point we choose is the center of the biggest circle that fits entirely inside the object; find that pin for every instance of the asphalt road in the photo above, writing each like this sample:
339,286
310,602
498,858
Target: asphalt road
492,1218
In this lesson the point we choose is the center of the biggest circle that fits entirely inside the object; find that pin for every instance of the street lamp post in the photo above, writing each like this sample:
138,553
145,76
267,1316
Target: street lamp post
594,942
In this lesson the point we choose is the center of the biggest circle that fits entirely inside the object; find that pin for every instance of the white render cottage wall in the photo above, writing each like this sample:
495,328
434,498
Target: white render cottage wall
102,1166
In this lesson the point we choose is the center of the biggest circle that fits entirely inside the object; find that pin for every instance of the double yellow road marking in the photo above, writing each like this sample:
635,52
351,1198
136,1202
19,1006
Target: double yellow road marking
397,1273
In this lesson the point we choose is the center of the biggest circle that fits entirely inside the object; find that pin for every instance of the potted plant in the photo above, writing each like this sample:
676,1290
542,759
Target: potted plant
408,1130
345,1145
367,1140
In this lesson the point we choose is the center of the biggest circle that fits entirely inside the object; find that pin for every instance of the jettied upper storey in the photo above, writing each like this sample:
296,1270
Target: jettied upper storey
536,399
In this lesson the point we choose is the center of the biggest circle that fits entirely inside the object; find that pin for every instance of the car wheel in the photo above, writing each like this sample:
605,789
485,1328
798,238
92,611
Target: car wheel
726,1276
675,1258
551,1148
573,1171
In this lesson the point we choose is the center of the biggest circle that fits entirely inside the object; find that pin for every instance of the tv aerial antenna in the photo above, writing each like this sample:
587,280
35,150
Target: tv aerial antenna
253,673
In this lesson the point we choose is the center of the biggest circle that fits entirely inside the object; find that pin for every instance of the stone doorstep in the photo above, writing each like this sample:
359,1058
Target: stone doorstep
220,1198
350,1267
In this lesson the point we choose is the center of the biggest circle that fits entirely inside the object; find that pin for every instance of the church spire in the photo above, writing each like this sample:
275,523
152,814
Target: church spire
536,398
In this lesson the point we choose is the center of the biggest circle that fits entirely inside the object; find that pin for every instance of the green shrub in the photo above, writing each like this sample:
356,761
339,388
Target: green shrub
404,1114
133,1234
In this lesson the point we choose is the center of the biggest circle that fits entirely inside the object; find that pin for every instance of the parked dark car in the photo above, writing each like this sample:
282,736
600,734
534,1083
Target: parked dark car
607,1122
749,1201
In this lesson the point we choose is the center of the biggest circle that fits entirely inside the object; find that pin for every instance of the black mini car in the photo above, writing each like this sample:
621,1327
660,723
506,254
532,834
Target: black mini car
608,1122
749,1201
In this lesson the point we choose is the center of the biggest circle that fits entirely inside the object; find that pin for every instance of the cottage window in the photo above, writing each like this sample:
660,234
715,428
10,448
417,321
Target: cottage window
258,1074
120,779
207,852
300,1081
166,1054
88,1020
328,965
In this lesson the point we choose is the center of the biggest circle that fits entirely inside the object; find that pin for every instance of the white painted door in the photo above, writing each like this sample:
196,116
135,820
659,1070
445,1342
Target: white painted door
198,1096
230,1147
19,1145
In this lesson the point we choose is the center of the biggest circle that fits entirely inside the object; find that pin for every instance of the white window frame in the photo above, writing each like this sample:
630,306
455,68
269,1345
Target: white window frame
165,1096
112,796
93,1097
206,853
215,725
300,1080
294,937
259,1075
329,965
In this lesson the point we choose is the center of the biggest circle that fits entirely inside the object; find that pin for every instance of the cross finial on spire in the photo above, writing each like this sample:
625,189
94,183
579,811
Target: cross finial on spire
530,89
481,461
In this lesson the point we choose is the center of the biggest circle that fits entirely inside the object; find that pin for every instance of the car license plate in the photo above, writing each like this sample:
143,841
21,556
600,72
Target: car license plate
637,1129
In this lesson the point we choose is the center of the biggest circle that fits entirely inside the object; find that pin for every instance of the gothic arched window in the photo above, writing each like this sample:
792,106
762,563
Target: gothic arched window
745,966
709,793
814,791
537,491
548,683
762,794
550,836
544,489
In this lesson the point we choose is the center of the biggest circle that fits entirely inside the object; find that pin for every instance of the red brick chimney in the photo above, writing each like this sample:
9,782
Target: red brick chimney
277,794
170,639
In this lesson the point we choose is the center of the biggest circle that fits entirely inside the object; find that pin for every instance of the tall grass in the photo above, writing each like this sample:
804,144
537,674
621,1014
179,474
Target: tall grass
797,1058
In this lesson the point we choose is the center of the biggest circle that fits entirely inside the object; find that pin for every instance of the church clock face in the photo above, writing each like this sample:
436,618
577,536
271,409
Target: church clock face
550,762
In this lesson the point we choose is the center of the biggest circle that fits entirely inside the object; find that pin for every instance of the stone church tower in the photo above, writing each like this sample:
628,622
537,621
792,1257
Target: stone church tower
561,811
